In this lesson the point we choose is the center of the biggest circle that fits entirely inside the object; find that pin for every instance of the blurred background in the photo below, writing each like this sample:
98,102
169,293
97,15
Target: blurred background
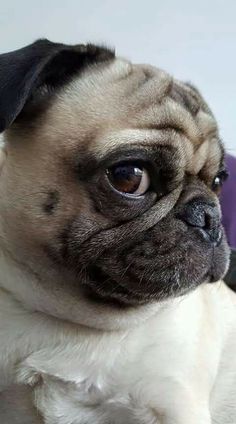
195,41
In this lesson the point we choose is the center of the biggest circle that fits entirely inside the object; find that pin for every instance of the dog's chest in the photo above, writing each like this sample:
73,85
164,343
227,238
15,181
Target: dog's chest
88,402
100,387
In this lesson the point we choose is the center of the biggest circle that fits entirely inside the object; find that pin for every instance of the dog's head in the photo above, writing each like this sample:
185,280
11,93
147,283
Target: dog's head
109,185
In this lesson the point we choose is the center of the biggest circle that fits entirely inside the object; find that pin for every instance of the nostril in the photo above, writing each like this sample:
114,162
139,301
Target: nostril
209,221
194,215
214,235
204,217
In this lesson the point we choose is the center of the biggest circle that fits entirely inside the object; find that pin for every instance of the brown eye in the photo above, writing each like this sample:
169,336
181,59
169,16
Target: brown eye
129,178
219,180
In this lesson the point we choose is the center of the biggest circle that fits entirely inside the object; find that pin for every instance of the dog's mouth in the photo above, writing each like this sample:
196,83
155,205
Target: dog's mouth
128,278
101,287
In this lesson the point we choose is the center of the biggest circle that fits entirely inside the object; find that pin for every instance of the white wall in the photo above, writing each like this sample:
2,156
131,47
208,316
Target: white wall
195,40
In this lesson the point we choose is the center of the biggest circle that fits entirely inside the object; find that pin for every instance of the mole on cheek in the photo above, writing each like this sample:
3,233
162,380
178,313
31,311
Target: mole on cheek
51,203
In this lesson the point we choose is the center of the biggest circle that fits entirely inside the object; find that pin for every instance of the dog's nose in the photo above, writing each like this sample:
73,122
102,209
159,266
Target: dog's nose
205,217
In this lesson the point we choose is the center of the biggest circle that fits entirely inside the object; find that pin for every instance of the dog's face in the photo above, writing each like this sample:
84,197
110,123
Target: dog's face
109,186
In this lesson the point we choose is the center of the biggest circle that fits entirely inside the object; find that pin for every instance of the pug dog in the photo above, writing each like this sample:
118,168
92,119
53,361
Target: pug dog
112,254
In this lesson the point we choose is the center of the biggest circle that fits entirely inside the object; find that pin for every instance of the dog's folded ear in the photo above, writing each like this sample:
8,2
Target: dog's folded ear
38,68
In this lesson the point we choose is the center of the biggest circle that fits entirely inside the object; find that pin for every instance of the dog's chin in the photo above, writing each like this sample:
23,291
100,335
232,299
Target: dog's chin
135,276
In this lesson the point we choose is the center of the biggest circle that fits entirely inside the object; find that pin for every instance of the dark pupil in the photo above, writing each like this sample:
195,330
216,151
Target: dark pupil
216,186
219,180
125,178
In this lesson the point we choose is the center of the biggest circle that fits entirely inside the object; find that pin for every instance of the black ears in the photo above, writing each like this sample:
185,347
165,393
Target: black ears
42,64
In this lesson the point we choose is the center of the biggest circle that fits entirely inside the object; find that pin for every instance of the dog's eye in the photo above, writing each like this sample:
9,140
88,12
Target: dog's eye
219,180
129,178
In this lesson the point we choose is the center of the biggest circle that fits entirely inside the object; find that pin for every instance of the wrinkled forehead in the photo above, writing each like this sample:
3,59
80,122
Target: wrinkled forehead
119,104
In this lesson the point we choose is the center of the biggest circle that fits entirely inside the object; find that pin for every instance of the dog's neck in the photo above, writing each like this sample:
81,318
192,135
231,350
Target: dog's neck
26,288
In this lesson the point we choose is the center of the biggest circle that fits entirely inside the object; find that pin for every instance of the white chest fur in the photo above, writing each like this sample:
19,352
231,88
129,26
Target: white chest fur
167,367
94,378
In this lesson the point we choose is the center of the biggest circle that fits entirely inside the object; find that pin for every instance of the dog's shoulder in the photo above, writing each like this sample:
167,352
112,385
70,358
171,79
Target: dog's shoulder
18,335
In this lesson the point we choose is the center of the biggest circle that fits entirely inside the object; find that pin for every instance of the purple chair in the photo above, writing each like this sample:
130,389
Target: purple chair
228,204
